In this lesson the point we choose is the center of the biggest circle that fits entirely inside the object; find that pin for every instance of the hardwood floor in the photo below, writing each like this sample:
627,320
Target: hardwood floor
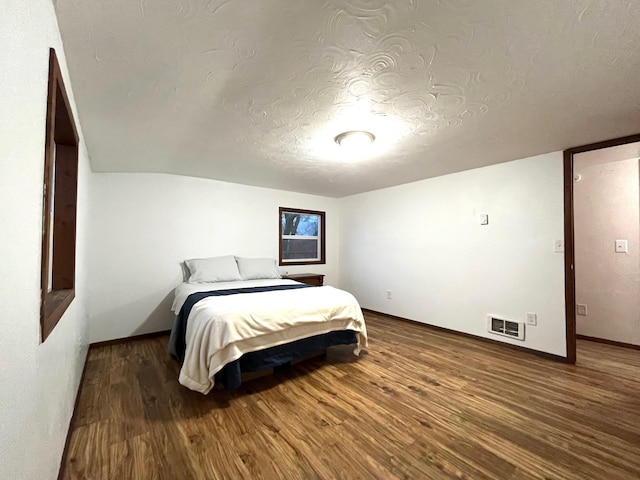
419,404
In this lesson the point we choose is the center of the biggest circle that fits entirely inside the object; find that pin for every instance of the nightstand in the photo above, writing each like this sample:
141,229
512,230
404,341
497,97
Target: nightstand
315,279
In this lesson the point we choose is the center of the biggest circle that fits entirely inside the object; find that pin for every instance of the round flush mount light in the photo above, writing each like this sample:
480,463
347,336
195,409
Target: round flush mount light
355,139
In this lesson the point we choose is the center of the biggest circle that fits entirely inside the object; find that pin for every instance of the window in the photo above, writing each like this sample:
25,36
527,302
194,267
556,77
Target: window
301,237
59,203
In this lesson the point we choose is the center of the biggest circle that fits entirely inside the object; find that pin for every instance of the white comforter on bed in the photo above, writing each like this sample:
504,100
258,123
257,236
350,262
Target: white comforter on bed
221,329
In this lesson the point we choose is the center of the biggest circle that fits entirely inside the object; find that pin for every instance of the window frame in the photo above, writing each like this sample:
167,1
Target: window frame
321,237
60,180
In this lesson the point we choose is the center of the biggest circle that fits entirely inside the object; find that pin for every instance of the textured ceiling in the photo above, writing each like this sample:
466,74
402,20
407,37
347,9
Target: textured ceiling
255,91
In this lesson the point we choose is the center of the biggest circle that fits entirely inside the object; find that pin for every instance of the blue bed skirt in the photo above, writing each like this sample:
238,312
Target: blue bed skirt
230,375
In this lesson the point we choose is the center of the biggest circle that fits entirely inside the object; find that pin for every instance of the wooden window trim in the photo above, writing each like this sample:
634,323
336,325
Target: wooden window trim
61,150
321,261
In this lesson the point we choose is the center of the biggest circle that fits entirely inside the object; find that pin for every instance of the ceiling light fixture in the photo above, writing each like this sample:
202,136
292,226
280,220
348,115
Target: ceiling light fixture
355,139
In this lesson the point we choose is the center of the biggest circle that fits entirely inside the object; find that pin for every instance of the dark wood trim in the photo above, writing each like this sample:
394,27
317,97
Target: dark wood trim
323,236
118,341
569,259
548,356
55,304
609,342
63,459
614,142
66,199
569,241
316,279
59,219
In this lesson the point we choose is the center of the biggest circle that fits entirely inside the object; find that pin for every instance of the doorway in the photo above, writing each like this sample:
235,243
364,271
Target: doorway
569,233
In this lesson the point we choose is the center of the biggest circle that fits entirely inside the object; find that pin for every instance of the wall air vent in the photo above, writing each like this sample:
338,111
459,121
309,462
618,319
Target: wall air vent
508,328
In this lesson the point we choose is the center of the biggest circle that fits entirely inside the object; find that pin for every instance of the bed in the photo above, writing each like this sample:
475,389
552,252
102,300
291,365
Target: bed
236,325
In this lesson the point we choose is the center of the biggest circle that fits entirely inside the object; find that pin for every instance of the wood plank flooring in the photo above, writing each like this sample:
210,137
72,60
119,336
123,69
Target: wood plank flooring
419,404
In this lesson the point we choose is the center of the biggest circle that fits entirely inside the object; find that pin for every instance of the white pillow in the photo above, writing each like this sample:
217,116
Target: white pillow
256,268
215,269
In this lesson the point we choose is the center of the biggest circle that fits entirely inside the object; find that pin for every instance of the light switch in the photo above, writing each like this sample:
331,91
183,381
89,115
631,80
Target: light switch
622,246
484,219
558,246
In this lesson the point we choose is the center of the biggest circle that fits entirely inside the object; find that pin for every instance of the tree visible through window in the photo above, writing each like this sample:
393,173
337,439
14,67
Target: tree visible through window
301,237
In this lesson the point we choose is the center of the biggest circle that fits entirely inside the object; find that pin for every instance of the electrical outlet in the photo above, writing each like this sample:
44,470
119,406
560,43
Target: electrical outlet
532,319
582,309
558,246
388,294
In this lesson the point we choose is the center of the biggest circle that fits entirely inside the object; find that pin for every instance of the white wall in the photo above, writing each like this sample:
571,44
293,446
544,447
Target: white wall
38,382
424,242
144,225
606,208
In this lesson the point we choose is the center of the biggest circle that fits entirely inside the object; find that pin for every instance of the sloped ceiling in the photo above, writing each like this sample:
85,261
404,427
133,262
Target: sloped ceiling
254,92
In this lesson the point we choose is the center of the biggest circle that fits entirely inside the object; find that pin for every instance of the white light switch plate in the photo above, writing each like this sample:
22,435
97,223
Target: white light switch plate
622,246
558,246
484,219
